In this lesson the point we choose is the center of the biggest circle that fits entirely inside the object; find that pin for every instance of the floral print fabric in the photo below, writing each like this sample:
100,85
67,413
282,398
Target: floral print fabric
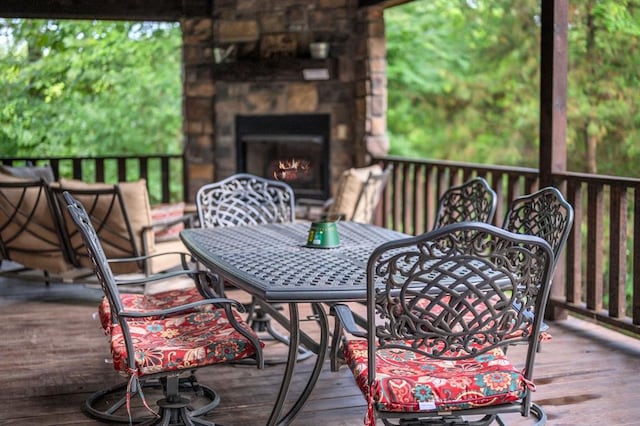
410,382
181,342
137,302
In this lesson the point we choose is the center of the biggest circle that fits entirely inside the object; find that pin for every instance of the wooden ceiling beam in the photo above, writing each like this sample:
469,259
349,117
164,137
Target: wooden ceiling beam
143,10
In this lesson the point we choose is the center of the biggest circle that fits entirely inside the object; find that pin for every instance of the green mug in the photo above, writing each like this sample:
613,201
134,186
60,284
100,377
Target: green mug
323,235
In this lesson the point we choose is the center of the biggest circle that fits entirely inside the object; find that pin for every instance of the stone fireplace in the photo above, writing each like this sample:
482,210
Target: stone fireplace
249,66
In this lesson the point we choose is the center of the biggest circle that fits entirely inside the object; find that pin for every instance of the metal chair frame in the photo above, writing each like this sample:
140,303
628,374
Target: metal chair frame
449,294
473,201
545,214
174,408
245,199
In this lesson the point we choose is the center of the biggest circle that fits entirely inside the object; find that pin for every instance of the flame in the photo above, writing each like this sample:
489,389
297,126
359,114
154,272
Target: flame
291,169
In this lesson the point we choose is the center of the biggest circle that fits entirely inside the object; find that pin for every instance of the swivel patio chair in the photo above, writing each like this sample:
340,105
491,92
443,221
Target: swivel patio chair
440,310
241,200
473,201
165,346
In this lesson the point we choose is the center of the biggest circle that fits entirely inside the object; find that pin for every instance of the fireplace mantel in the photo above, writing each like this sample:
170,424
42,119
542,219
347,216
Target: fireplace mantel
289,69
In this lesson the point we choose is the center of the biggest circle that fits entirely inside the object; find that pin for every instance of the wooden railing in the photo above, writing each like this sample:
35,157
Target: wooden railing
165,174
599,275
598,278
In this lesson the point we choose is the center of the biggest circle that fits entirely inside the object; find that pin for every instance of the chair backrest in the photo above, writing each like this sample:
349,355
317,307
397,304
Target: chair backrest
451,293
545,214
95,252
473,201
109,216
245,199
359,192
29,232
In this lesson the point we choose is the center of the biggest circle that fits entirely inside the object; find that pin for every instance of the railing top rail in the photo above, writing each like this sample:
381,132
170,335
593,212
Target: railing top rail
603,179
459,164
90,157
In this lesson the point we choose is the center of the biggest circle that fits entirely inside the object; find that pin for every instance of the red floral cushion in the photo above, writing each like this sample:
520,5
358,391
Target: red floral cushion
142,302
410,382
181,342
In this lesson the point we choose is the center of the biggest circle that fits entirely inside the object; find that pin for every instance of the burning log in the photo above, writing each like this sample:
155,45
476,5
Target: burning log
289,170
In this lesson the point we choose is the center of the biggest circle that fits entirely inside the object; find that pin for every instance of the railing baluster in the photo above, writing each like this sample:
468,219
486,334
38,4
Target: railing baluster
635,297
594,246
573,291
165,176
618,248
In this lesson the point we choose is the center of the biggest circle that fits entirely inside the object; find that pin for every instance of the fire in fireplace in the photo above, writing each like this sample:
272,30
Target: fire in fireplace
293,148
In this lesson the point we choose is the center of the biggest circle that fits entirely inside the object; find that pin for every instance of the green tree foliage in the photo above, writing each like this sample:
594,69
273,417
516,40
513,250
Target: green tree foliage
464,81
604,87
85,88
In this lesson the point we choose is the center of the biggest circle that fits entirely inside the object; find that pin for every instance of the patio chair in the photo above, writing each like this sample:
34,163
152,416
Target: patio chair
121,215
356,198
440,310
473,201
168,345
29,233
245,199
545,214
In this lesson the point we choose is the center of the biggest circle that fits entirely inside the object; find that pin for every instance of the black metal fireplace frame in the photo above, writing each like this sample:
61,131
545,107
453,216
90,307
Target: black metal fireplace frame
313,127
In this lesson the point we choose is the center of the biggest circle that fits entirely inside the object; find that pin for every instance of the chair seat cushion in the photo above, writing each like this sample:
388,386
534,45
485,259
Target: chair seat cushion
137,302
410,382
182,342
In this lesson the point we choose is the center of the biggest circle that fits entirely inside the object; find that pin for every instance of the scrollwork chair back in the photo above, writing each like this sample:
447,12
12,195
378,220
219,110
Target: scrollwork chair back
245,199
473,201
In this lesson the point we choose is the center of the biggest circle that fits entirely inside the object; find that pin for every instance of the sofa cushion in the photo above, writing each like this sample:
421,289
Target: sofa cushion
350,186
30,234
163,214
136,200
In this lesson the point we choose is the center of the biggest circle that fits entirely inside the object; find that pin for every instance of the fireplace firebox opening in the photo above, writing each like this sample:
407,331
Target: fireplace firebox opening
293,148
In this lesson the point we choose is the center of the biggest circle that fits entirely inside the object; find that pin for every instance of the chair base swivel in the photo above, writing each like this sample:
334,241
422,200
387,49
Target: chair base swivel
109,405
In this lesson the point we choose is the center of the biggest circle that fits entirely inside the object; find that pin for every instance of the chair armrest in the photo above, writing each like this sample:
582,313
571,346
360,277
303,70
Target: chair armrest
218,302
188,220
156,277
146,257
345,317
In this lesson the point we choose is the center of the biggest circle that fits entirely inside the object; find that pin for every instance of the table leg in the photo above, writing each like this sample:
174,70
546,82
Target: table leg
317,368
294,337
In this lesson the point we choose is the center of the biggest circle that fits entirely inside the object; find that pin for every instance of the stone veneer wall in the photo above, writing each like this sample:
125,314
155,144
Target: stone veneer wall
270,43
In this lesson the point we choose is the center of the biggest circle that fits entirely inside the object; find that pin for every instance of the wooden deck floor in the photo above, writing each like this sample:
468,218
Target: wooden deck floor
53,358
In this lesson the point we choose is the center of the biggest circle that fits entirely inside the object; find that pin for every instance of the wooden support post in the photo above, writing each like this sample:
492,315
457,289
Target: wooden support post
553,110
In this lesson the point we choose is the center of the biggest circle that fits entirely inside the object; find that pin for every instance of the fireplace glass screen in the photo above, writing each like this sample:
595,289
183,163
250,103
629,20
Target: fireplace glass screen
291,148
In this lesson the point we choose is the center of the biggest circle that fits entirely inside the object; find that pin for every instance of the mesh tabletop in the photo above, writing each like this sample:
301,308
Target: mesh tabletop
273,262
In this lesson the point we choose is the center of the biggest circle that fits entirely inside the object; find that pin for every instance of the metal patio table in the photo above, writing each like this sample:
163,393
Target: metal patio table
273,263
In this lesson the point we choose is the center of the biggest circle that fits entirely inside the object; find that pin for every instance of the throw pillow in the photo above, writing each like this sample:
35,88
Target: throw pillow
164,214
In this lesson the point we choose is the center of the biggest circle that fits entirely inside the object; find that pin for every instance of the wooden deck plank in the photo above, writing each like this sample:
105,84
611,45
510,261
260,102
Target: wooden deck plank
54,352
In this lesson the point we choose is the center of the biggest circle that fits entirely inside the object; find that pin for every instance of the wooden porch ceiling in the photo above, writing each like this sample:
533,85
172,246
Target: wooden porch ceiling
144,10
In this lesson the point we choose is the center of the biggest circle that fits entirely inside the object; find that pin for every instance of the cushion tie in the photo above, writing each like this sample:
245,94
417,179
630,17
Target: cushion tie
134,381
527,383
370,418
